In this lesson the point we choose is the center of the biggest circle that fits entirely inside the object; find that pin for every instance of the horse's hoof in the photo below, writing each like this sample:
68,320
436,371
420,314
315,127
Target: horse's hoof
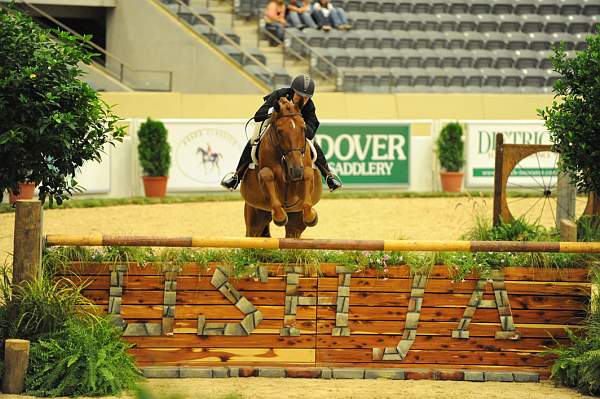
314,222
281,223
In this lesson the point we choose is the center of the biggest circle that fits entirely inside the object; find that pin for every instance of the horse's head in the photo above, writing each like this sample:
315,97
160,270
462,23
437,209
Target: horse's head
289,130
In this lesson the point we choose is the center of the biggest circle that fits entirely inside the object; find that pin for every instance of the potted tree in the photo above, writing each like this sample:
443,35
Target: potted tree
51,121
450,153
155,157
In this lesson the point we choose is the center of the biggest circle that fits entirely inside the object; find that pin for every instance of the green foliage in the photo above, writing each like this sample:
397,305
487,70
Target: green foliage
40,307
588,228
153,149
450,147
83,359
51,122
573,121
578,364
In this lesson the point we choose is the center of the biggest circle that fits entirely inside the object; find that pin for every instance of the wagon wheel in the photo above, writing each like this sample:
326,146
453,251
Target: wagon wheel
531,190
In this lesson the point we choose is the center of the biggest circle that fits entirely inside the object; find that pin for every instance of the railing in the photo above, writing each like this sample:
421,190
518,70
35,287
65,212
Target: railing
288,48
137,79
213,30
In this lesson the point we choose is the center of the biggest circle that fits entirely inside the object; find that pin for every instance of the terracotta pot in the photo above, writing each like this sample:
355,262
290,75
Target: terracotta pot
451,181
26,192
155,186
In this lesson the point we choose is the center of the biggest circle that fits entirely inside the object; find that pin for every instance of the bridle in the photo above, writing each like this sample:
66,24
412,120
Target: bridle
285,152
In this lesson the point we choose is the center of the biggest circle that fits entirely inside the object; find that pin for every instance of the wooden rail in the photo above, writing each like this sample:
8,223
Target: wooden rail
322,244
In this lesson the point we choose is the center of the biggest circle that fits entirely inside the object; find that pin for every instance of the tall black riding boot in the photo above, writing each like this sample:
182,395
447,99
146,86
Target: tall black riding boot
333,181
232,180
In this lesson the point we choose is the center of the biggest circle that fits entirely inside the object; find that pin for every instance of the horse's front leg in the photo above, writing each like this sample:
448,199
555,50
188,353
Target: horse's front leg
266,177
309,215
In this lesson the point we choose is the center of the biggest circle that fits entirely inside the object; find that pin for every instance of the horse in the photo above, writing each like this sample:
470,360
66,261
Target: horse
285,186
212,157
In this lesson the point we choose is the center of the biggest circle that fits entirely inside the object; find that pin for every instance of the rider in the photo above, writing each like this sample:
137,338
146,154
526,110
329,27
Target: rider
301,91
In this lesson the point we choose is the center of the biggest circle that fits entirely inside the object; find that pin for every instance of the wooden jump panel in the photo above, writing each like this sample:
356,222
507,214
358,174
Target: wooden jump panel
379,312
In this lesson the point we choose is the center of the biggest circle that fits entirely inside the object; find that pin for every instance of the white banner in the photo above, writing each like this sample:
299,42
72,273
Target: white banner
203,151
538,170
94,177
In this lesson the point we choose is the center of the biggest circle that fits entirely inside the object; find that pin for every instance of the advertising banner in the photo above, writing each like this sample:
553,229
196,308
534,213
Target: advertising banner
481,152
367,153
203,151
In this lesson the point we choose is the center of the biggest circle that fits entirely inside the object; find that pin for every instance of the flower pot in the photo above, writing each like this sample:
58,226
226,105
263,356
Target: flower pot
26,191
155,186
451,181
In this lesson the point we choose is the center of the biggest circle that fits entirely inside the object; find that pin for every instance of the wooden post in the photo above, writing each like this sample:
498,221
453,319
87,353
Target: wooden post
28,241
568,230
566,195
16,361
498,174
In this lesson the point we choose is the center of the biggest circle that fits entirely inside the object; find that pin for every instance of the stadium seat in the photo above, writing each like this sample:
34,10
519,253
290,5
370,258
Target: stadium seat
447,22
527,59
525,7
495,41
511,78
387,6
474,78
459,7
548,7
540,41
378,58
205,31
386,39
280,77
487,23
430,58
532,23
438,7
421,7
482,59
509,23
437,77
334,39
545,61
474,40
479,7
370,6
570,7
260,73
579,24
504,59
455,40
591,7
467,22
437,40
556,24
517,41
492,77
503,7
533,78
567,39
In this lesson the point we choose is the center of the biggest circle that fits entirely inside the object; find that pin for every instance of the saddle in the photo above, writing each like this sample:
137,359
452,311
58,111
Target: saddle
256,144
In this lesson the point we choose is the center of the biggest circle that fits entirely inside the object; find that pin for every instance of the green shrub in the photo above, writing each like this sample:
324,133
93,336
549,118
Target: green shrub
450,147
572,120
588,228
40,307
153,149
84,359
578,364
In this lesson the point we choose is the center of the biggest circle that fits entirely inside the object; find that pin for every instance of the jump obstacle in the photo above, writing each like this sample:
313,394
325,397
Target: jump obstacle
198,320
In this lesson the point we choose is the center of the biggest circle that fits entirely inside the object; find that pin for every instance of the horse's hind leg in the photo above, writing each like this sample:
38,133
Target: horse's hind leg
257,222
295,226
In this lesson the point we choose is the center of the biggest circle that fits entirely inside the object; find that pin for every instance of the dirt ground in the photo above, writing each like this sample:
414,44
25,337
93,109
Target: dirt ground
273,388
412,218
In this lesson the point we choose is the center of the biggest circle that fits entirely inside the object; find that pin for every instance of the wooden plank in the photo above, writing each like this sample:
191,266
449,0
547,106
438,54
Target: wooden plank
307,327
213,297
174,356
465,358
195,341
429,342
358,327
455,314
212,312
444,286
329,270
451,300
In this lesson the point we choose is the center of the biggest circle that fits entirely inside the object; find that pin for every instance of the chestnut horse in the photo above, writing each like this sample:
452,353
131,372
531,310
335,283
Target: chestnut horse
285,186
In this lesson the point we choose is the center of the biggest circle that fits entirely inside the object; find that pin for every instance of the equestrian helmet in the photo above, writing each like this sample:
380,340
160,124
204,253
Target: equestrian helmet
303,85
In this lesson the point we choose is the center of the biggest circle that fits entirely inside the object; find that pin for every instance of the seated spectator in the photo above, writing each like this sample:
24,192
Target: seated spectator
326,16
299,14
275,21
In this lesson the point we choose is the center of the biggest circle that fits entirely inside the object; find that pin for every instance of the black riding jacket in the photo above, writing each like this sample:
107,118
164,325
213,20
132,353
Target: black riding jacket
308,111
